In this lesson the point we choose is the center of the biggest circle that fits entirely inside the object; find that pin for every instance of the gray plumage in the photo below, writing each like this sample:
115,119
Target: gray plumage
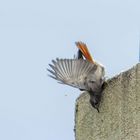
81,72
78,73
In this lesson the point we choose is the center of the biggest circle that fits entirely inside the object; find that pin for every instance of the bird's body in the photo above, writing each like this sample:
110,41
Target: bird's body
81,73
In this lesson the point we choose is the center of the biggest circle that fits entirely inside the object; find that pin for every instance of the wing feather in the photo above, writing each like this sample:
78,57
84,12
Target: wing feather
72,72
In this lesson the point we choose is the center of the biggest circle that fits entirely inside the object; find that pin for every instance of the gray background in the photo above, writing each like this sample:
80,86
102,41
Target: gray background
32,33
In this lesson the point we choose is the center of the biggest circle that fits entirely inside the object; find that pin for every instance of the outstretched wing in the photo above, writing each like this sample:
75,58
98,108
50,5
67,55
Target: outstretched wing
83,48
72,72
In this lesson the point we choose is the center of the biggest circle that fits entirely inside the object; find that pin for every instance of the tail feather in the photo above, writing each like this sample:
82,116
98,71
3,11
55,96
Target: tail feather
83,48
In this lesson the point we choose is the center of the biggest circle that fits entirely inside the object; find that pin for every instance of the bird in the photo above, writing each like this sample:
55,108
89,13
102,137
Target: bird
81,72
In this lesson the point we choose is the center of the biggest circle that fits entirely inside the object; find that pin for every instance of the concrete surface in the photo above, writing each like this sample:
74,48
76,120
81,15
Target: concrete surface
119,117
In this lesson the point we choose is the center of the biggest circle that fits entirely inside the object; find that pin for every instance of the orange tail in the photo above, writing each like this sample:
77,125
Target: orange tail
83,48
